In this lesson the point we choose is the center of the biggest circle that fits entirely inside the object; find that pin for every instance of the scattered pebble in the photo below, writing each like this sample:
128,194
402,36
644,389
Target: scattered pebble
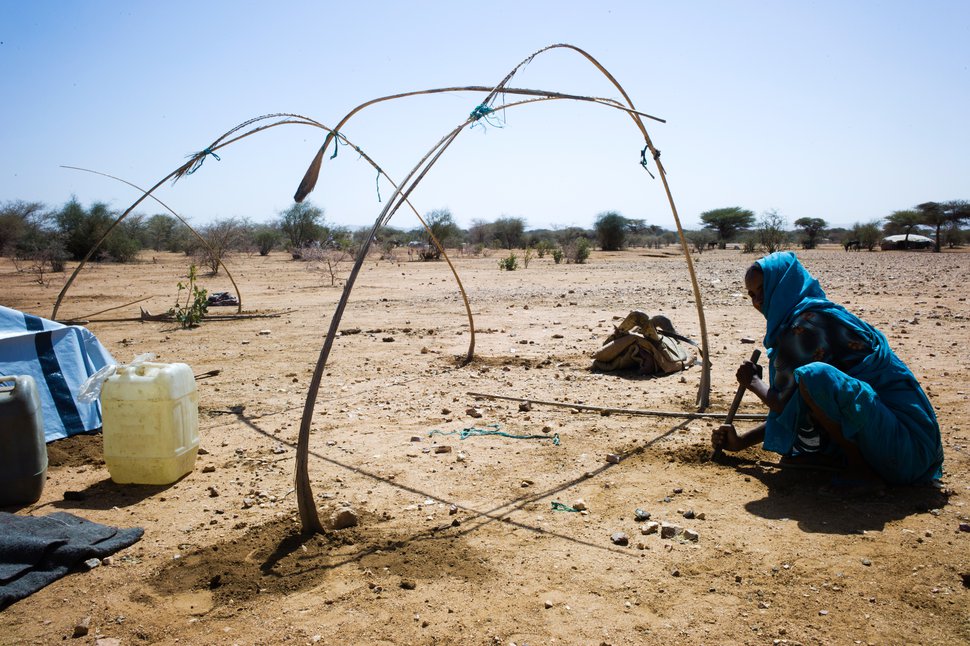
866,562
641,515
473,412
621,539
407,584
548,604
580,505
613,458
82,627
343,518
444,448
691,535
650,528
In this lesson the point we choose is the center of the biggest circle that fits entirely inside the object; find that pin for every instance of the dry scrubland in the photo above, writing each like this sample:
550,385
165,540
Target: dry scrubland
464,547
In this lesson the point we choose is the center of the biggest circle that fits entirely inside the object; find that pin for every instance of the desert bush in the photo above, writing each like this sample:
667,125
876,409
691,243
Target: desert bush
509,263
557,255
196,304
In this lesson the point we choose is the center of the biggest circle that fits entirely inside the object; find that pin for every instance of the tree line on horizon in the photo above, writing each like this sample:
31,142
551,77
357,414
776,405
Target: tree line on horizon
32,233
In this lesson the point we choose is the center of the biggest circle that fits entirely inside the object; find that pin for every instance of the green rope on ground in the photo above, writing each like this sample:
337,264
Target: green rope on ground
558,506
198,163
492,429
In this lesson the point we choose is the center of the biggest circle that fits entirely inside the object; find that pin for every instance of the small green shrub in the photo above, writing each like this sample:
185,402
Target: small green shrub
557,255
196,305
581,254
542,248
509,263
529,253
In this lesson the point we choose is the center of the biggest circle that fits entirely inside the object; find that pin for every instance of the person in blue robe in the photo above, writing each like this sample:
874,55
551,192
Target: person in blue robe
835,387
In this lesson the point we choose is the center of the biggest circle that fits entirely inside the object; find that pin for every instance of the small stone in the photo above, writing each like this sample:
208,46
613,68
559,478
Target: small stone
461,456
343,518
650,528
691,535
747,339
965,527
108,561
213,492
82,627
701,516
613,458
446,411
667,530
548,604
208,469
641,515
92,563
525,407
387,339
822,613
415,438
621,539
407,584
866,562
678,490
689,514
75,495
264,332
279,449
675,573
452,510
444,448
580,505
473,412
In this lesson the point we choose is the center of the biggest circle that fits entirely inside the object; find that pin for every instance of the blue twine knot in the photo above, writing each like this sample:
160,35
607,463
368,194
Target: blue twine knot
336,144
479,112
643,160
198,162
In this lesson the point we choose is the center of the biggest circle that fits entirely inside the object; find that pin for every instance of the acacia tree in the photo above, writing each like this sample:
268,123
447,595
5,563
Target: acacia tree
813,229
611,229
937,215
509,232
904,221
771,231
301,224
727,222
443,228
867,234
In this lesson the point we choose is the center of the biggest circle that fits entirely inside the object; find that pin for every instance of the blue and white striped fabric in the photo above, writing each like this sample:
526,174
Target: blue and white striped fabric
59,358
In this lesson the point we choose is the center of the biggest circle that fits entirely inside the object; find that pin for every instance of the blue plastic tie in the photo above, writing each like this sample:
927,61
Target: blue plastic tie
198,163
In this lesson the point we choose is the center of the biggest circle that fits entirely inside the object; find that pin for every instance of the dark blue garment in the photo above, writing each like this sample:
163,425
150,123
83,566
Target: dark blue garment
852,375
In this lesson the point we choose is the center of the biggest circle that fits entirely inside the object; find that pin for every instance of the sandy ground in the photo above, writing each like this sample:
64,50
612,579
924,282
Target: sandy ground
465,547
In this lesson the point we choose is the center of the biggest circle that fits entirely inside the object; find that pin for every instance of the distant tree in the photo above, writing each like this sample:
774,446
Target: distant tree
611,230
771,231
480,232
81,228
509,232
301,224
17,218
812,229
727,222
867,234
160,232
937,215
902,222
443,228
223,237
125,241
265,238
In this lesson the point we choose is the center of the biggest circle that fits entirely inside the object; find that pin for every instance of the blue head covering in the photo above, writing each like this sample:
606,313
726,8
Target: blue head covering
789,290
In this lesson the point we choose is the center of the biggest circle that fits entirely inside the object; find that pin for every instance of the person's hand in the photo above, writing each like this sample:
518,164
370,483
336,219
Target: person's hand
747,373
725,437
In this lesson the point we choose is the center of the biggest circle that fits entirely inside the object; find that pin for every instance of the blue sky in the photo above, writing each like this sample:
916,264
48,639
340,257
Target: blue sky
841,110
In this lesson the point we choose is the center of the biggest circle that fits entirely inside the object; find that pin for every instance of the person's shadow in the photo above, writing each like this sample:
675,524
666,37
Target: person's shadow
793,494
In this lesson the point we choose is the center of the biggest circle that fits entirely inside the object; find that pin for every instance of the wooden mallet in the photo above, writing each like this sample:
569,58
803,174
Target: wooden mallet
738,396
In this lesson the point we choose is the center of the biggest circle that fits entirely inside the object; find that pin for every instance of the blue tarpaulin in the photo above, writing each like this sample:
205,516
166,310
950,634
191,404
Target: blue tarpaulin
59,358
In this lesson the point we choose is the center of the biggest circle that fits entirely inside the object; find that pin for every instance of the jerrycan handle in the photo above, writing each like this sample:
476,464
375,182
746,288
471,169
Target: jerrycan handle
90,390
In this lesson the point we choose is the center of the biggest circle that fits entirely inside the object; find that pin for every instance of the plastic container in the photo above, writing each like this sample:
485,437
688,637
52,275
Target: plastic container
23,449
150,413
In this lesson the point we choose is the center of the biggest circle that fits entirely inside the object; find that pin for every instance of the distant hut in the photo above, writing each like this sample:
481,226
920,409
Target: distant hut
902,242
